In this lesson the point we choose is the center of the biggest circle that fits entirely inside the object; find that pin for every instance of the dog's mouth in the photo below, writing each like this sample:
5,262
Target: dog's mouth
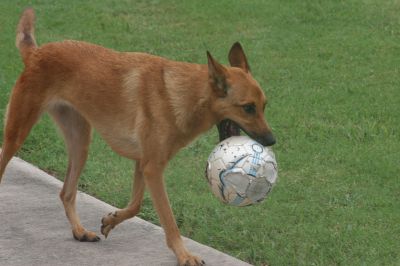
228,128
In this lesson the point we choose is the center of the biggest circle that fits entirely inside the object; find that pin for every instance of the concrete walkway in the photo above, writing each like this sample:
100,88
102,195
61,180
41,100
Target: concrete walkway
35,231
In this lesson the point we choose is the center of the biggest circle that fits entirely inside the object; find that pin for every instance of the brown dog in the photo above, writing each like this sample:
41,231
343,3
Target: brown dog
145,107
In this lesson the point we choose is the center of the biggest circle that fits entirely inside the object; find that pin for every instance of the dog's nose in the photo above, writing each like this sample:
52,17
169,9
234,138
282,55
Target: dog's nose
268,139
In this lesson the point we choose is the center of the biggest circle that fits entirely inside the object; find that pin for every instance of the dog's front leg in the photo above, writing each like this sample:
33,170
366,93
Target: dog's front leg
114,218
155,183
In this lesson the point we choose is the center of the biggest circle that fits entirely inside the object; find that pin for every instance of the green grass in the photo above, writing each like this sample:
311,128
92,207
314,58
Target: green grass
331,71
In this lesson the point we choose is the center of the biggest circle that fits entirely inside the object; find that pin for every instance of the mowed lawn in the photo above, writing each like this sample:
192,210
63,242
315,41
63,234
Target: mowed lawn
331,72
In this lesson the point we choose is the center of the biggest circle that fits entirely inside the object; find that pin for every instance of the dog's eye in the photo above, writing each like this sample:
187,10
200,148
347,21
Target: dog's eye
250,108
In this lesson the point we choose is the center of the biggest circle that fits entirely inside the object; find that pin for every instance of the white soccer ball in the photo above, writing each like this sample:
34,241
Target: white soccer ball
240,171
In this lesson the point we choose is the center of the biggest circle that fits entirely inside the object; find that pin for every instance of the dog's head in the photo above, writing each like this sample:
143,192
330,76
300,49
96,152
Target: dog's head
240,101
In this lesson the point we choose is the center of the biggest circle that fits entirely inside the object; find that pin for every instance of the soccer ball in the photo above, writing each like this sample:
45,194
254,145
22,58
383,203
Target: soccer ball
240,171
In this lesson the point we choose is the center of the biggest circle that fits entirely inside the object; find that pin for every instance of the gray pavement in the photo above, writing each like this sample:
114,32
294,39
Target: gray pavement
35,231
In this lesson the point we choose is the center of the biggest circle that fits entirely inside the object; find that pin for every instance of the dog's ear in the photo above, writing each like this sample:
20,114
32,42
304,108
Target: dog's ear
217,76
237,58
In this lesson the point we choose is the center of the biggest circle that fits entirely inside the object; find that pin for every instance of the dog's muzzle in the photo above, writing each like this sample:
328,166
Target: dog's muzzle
227,128
266,140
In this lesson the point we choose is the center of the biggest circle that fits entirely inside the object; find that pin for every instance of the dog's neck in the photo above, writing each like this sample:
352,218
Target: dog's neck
191,97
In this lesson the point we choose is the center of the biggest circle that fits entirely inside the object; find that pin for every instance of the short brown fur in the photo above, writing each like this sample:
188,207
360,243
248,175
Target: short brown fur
145,107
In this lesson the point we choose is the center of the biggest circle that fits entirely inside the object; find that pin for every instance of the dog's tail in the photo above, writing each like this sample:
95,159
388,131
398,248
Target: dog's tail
25,40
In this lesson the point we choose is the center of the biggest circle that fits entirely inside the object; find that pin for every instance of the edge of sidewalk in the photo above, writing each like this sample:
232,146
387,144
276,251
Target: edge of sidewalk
39,175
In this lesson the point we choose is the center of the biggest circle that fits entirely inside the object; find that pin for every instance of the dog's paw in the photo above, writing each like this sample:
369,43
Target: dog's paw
190,260
108,223
85,236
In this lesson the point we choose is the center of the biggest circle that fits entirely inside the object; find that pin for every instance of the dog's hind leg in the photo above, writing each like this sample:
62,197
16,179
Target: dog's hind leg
112,219
77,135
23,111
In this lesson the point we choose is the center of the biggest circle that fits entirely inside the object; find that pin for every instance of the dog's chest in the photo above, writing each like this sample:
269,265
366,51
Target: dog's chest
123,141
